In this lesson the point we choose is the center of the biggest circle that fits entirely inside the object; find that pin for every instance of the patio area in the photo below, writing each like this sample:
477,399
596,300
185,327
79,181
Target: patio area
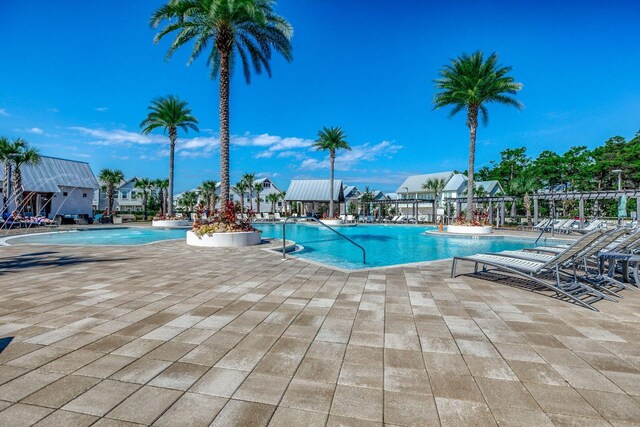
172,335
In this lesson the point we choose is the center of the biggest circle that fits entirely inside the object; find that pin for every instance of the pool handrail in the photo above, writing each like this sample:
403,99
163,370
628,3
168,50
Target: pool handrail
284,237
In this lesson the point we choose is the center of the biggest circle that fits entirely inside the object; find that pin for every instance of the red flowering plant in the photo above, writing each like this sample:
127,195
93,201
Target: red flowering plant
164,217
224,221
480,218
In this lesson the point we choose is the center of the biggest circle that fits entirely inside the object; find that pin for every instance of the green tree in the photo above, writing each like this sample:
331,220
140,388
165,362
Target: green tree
259,188
366,198
470,83
248,29
240,189
162,185
170,114
249,180
146,186
23,156
8,149
208,192
525,185
331,140
435,186
273,198
110,178
188,200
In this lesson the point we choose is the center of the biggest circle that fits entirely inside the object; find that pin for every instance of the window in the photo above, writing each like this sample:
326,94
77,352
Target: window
65,194
266,184
123,195
84,194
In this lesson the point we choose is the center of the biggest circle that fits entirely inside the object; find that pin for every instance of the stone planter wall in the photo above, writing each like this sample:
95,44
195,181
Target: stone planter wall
170,223
225,240
469,229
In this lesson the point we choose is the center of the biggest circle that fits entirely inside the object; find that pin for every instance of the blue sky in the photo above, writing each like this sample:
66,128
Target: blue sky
76,79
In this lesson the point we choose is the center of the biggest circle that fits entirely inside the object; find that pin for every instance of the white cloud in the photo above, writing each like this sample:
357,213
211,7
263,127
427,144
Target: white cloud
4,112
101,109
37,131
119,137
346,160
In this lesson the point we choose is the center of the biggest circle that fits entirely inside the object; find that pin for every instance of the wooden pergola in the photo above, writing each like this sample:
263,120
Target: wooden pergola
498,200
581,197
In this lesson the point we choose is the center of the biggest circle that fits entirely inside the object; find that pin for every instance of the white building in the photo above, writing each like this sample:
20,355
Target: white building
54,187
125,198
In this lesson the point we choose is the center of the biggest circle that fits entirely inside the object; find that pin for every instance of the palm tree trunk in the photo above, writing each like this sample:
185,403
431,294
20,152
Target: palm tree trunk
472,122
144,205
224,126
173,136
17,188
435,200
527,206
258,202
109,198
332,157
5,185
161,199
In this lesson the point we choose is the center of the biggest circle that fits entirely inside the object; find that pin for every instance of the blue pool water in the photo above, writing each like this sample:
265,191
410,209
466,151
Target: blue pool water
106,236
385,244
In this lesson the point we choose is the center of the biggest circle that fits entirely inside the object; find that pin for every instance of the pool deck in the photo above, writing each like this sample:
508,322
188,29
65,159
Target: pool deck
174,335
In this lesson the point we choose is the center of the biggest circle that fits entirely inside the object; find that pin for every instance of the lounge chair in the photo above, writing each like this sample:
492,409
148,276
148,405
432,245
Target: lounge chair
543,224
350,218
541,272
566,226
277,217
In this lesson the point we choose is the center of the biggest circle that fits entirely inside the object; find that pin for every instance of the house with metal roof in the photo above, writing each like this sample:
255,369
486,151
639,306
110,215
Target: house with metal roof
126,197
308,194
55,187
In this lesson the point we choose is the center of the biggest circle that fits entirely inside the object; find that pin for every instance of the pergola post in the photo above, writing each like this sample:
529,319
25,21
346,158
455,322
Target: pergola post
502,213
490,212
581,212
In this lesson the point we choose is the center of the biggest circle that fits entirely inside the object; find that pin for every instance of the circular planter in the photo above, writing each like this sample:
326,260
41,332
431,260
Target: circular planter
170,223
225,240
332,222
470,229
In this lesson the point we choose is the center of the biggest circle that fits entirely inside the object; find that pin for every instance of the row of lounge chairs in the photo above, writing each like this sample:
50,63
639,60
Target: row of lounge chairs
265,217
574,271
26,222
568,226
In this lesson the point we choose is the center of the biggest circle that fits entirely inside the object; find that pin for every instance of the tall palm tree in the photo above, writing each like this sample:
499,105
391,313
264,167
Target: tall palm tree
525,185
7,150
208,192
331,139
259,188
249,179
110,178
188,200
248,30
273,198
158,186
240,189
470,83
146,186
435,185
24,155
170,114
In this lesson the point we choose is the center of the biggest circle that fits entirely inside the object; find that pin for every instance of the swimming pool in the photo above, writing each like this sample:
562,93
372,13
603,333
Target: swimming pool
103,236
385,244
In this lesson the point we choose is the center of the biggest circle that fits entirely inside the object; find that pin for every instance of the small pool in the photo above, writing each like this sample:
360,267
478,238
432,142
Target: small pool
103,236
385,244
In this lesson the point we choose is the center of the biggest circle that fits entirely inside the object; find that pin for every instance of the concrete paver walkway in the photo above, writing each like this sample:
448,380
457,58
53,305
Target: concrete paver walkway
171,335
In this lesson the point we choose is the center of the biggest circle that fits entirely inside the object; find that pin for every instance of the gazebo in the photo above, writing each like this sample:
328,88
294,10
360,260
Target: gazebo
308,193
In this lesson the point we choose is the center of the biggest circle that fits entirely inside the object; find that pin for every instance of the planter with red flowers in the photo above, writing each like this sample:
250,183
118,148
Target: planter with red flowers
479,225
224,229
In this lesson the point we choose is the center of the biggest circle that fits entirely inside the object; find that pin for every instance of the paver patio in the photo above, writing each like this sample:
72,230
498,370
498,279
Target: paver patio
169,335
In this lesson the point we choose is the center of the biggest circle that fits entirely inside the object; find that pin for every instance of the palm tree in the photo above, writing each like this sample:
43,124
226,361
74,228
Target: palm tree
240,188
7,150
249,179
110,178
525,185
24,155
169,113
249,29
273,198
162,185
188,200
365,199
259,187
331,139
435,185
146,185
469,83
208,191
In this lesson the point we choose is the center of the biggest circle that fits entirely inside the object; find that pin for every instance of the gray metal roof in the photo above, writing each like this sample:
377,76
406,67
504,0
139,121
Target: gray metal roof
491,187
457,183
314,190
52,173
414,183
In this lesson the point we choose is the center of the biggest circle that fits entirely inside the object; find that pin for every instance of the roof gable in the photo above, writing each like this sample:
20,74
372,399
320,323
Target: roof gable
413,184
314,190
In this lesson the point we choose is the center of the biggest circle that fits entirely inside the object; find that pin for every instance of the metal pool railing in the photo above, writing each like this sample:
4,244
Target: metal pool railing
284,237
